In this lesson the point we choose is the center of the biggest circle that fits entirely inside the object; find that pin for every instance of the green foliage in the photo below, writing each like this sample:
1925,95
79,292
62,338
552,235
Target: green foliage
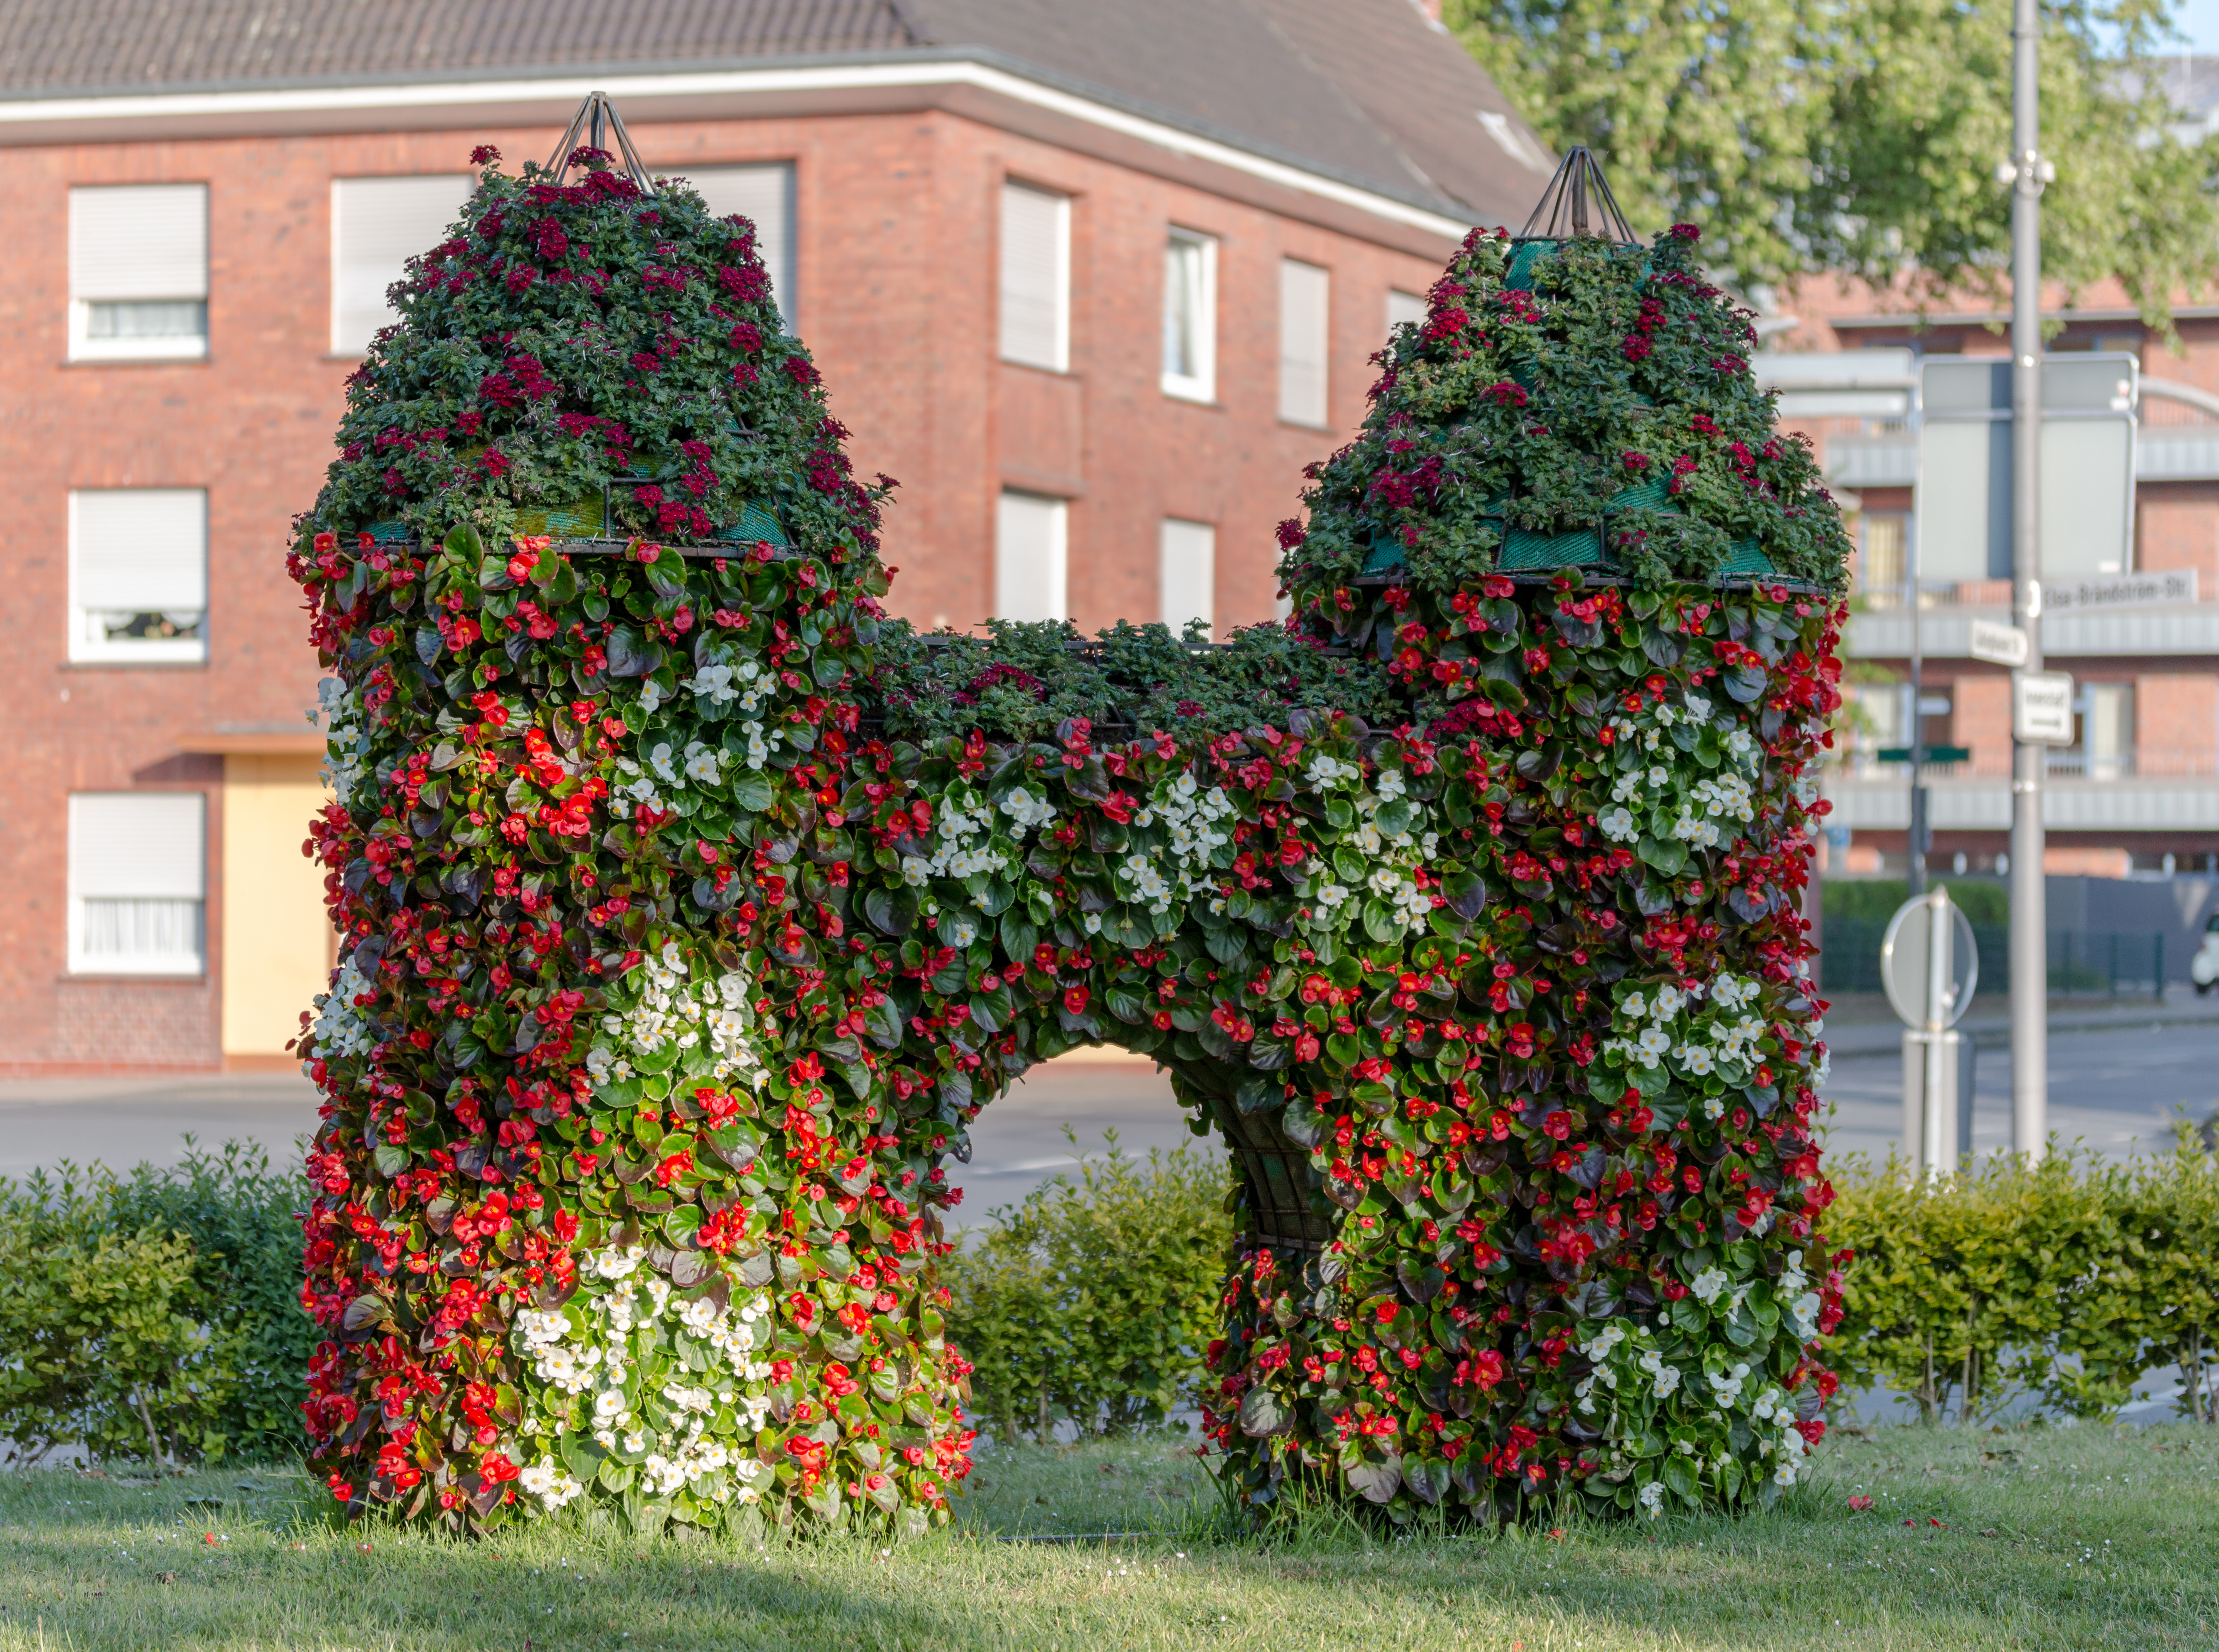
1022,680
2065,1280
241,1220
1865,137
1983,900
1093,1299
1564,402
566,339
152,1316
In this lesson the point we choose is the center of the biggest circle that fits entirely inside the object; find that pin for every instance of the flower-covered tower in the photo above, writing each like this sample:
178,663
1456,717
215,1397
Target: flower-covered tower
690,911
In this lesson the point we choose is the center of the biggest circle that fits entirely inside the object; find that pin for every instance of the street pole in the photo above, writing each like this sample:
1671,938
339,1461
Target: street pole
2029,962
1915,840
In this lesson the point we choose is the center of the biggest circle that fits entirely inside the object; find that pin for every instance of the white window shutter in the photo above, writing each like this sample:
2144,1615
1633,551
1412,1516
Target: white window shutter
1304,313
125,845
139,241
1187,563
764,196
1030,541
138,550
378,224
1035,277
1404,307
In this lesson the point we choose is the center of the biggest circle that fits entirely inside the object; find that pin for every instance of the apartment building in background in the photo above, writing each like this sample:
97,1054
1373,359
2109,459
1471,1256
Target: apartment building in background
1094,281
2137,625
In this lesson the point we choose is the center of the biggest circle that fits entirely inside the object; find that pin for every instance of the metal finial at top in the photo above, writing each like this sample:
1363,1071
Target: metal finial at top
596,118
1577,193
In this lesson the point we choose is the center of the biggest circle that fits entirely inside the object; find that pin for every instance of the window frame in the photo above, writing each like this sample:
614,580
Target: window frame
1200,386
1167,529
342,348
1058,553
133,651
173,968
83,347
1059,353
1323,366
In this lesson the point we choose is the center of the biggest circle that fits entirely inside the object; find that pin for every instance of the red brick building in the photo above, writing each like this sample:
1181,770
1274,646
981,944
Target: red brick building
1094,281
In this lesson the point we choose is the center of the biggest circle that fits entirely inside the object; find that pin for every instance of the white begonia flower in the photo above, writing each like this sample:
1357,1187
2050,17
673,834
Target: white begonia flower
1367,839
1026,812
1324,770
1713,1107
1707,1285
712,683
1659,775
1695,1057
1331,895
609,1404
659,760
917,871
1389,785
1652,1498
1653,1043
1092,923
1669,1001
617,1263
1617,825
1698,706
1635,1004
701,763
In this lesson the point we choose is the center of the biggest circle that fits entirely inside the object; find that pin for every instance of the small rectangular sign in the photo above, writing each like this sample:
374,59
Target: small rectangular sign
2122,591
1999,644
2042,707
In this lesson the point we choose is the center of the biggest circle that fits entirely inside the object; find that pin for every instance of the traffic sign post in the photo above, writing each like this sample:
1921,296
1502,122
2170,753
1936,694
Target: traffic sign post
1930,966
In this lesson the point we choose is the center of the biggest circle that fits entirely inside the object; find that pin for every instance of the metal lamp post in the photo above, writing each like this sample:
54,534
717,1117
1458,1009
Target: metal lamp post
2030,967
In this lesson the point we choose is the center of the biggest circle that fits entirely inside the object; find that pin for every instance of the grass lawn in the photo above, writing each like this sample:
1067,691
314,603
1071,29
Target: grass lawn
2075,1538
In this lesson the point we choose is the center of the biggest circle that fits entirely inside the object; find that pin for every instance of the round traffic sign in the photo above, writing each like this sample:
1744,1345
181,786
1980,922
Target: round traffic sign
1905,951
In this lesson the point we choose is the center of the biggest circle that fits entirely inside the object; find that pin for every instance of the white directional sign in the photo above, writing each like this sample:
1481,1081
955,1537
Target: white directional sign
2042,707
2001,645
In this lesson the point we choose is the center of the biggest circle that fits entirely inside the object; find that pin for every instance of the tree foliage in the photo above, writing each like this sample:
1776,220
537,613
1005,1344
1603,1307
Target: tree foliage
1864,137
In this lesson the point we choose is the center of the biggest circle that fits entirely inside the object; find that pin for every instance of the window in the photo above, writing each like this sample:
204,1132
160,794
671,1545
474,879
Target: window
137,574
1881,566
1190,316
1035,277
1404,307
137,871
378,224
1305,293
1187,553
2107,729
138,272
762,194
1029,539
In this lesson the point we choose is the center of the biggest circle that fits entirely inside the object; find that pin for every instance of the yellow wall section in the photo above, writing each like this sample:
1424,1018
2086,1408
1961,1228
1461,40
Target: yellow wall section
277,940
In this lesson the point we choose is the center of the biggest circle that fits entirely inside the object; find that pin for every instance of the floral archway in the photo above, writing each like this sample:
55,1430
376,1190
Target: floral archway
691,908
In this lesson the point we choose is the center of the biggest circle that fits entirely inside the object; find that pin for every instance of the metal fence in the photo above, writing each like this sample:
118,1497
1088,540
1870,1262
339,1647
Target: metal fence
2081,964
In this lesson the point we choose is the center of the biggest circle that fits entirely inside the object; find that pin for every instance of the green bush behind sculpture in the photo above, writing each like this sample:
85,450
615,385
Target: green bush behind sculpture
154,1314
687,925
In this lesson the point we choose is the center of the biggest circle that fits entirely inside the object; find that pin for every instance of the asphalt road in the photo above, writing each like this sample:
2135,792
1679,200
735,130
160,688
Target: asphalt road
2116,1092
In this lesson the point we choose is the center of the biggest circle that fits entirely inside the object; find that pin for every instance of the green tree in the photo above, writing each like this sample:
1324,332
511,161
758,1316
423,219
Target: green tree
1863,135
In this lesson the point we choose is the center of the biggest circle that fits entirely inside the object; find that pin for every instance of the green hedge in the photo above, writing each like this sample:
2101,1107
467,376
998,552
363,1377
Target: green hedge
1093,1300
2062,1282
154,1314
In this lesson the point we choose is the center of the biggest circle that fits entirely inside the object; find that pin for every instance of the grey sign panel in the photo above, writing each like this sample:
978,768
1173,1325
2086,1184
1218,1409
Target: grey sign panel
2087,496
1964,500
1965,467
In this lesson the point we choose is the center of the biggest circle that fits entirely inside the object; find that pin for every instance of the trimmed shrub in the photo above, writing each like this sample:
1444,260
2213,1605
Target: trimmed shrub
154,1315
2062,1282
1093,1300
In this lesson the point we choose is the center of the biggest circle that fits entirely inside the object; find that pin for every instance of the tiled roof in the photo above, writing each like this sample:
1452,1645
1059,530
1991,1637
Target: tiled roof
1368,90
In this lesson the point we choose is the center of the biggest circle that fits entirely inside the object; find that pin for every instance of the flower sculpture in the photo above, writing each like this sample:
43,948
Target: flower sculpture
690,910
